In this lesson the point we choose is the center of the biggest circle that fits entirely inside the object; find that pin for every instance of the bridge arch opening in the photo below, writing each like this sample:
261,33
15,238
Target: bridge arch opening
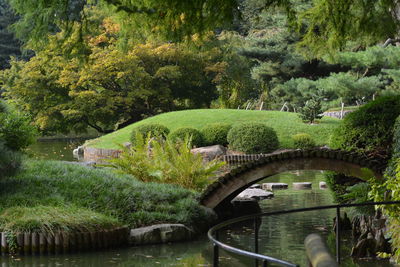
219,194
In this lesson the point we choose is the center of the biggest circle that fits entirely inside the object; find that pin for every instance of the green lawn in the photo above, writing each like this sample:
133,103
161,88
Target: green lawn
286,124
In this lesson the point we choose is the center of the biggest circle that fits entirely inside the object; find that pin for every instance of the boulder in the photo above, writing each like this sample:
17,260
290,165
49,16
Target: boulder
303,185
210,152
323,185
78,152
255,193
160,233
273,186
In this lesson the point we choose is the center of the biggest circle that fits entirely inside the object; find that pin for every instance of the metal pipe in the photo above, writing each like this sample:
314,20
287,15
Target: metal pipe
338,235
255,240
216,251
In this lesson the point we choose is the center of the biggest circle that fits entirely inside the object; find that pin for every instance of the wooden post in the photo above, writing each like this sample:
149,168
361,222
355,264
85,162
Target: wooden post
262,105
317,252
58,244
4,245
35,243
65,242
27,243
42,243
341,111
20,242
50,243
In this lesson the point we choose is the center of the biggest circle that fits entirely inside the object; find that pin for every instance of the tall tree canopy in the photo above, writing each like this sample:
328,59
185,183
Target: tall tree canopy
327,25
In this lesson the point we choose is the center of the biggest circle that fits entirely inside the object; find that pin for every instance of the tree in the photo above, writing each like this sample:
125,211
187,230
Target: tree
112,88
9,45
328,25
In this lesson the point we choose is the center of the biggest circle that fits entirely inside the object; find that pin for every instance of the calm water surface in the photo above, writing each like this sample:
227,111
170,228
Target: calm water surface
280,236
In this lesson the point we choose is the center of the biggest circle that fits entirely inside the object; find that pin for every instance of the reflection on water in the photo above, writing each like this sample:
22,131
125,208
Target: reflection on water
280,236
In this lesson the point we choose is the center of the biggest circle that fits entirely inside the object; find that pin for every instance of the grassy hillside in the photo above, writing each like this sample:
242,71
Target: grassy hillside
101,197
286,124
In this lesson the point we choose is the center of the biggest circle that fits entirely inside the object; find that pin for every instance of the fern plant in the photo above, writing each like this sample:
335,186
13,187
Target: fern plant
152,160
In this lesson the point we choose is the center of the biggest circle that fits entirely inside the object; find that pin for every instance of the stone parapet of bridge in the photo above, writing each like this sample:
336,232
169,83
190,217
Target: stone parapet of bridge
228,186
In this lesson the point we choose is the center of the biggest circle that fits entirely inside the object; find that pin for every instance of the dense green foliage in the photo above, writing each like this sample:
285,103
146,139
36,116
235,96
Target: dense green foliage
388,189
15,129
15,135
303,141
9,161
9,45
216,133
181,134
285,124
252,137
370,128
134,203
158,161
153,130
326,25
113,88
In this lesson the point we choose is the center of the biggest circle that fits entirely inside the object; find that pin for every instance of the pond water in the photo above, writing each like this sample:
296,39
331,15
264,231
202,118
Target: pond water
280,236
55,149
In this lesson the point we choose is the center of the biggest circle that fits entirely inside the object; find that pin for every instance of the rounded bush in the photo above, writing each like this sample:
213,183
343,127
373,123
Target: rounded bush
216,134
370,128
153,129
180,134
253,138
303,140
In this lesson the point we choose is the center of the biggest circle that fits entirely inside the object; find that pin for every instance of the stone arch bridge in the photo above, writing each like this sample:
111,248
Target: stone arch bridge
219,194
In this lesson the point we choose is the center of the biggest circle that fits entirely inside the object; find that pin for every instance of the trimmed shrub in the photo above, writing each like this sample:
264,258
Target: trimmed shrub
216,134
253,137
303,140
179,135
370,128
153,129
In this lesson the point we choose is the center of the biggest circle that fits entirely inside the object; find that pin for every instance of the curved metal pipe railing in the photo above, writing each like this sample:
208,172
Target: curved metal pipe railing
213,233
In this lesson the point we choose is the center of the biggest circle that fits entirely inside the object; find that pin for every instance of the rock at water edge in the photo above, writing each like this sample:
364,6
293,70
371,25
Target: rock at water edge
255,193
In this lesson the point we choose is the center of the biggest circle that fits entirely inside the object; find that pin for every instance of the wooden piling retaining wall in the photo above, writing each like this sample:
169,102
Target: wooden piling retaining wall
63,242
99,154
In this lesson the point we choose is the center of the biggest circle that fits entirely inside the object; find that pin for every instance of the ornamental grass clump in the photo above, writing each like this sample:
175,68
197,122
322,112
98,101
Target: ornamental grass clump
48,219
252,137
151,160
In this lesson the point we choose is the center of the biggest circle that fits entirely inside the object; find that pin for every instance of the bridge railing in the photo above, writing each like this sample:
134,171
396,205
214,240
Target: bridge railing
213,233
